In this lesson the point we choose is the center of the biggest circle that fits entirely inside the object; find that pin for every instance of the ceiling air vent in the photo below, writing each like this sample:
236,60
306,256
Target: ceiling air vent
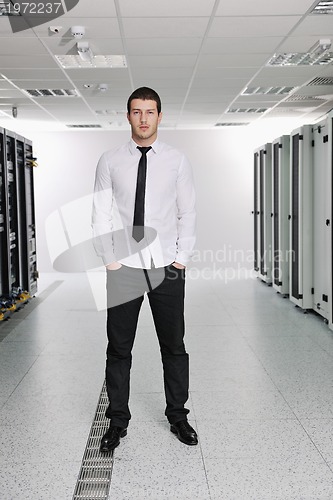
51,93
247,110
92,125
321,80
231,124
267,90
323,7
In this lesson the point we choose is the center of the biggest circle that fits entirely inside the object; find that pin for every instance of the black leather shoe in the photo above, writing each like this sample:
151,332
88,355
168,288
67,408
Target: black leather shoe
111,438
185,433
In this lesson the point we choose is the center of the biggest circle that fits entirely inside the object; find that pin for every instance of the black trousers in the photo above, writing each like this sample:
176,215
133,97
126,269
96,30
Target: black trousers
165,290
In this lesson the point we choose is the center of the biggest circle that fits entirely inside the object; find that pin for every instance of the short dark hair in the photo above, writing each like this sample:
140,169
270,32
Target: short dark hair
146,94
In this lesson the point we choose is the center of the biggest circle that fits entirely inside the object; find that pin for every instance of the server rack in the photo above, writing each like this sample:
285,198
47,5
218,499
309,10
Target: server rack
262,212
329,221
301,217
3,218
280,206
18,269
29,273
12,213
321,218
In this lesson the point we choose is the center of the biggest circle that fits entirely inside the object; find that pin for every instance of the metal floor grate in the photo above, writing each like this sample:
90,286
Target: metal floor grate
96,469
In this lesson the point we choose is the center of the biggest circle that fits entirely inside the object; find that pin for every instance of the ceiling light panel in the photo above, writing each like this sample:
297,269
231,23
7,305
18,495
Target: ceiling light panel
83,125
323,7
301,59
231,124
99,61
247,110
267,90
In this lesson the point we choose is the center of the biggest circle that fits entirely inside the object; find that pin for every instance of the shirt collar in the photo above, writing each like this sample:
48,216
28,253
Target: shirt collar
156,146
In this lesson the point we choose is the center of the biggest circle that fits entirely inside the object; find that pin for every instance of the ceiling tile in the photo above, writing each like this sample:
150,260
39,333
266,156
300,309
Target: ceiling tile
252,26
85,8
165,27
6,30
263,8
232,45
12,94
297,44
32,74
163,46
18,46
151,8
222,84
316,25
172,61
171,73
27,61
43,84
213,73
233,60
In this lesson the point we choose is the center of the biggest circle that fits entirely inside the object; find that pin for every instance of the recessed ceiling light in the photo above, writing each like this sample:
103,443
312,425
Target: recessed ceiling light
107,112
247,110
231,124
267,90
323,8
301,59
83,125
297,98
100,61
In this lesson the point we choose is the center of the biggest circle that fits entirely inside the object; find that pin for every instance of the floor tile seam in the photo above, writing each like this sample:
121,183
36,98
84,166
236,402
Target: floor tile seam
21,380
274,383
330,467
300,423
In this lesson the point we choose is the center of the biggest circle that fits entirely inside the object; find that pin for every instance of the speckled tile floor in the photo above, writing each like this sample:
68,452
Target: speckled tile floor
261,398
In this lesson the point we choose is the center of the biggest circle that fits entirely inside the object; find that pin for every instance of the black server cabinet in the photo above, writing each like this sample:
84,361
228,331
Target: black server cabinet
12,214
28,257
4,257
18,271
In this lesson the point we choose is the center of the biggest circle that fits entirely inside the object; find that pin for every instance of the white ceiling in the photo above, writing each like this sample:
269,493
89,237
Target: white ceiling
198,55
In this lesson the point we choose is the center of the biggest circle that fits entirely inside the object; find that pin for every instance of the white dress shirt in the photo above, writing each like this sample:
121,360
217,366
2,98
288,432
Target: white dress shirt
169,207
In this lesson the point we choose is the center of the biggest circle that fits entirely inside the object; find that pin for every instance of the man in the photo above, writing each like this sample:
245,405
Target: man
145,187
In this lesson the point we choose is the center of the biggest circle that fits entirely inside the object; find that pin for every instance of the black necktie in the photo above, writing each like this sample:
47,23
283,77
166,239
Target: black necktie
139,209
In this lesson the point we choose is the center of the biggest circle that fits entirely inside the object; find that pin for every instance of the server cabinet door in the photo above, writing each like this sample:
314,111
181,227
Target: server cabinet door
321,239
265,202
301,228
12,216
256,212
280,203
4,255
31,273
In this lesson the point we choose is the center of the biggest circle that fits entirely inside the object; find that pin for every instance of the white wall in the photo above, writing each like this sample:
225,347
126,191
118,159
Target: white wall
222,161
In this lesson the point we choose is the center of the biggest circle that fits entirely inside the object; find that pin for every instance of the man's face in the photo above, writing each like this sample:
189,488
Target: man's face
144,120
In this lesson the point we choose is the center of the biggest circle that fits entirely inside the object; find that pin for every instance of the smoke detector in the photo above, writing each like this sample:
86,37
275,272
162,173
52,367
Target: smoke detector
78,31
